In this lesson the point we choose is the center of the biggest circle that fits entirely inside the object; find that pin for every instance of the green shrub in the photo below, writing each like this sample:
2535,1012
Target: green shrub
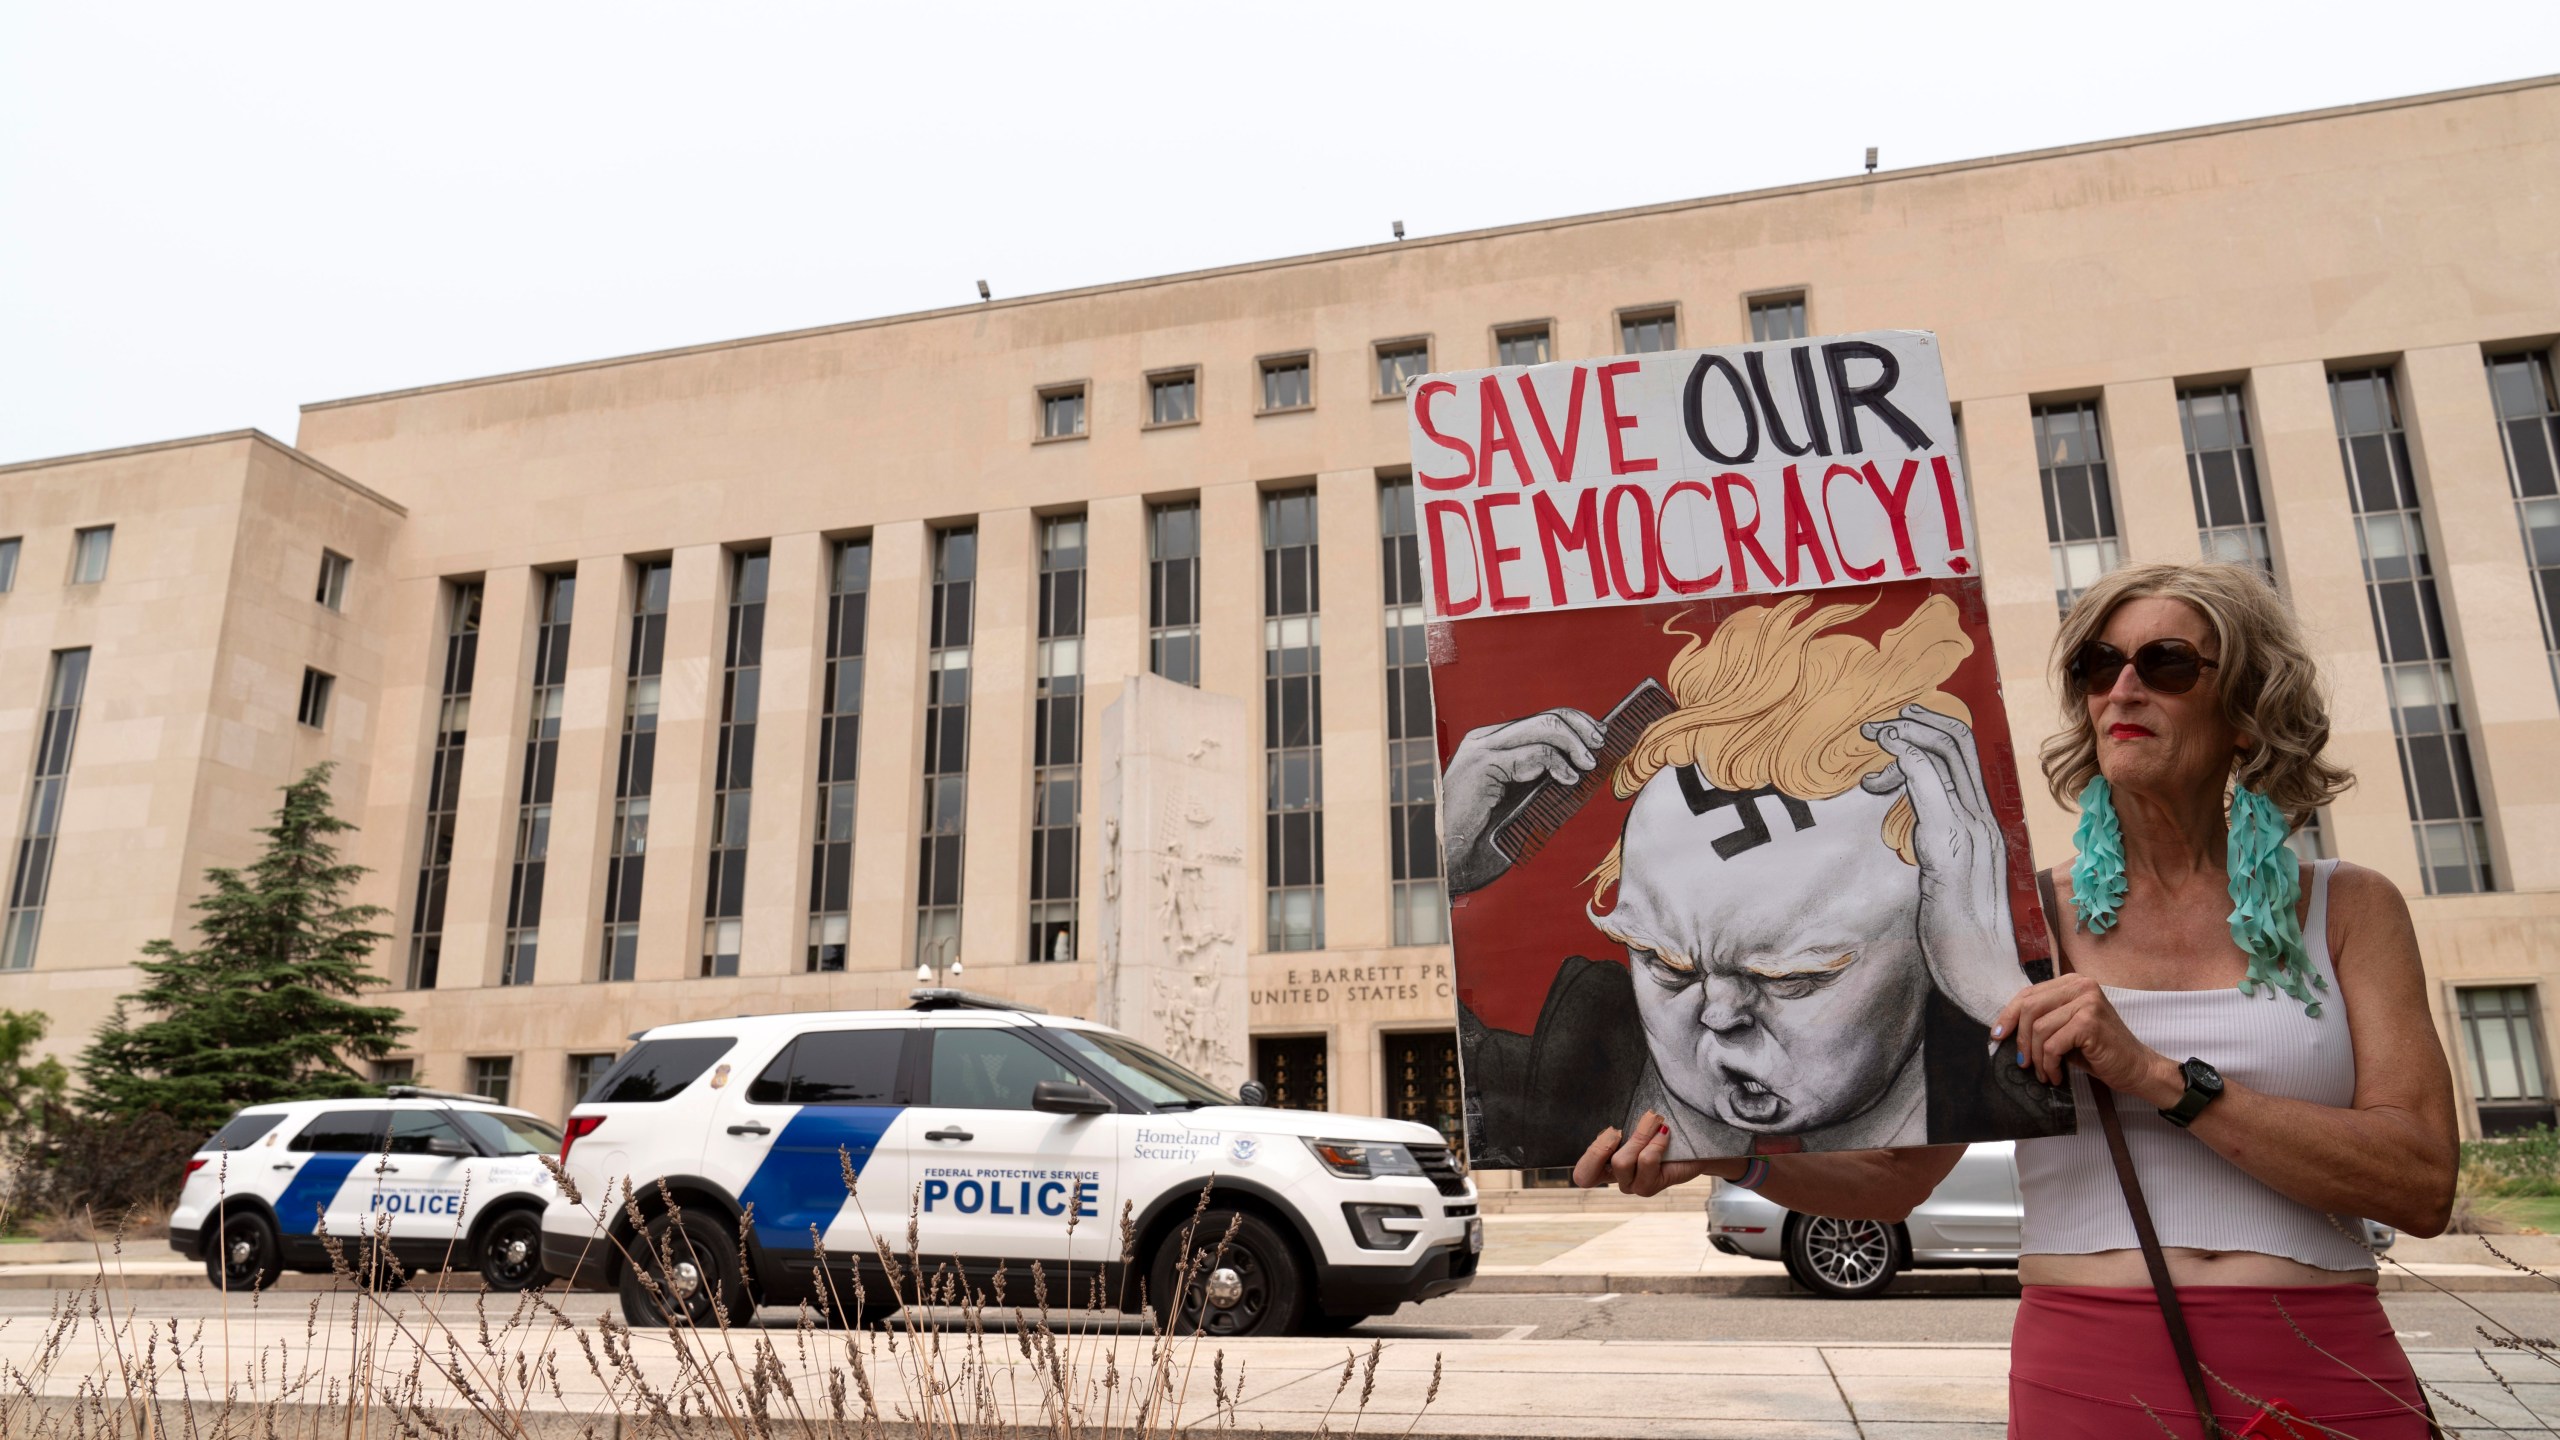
2521,1164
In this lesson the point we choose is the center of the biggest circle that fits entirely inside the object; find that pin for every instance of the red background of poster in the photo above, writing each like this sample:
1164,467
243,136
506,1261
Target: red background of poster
1511,937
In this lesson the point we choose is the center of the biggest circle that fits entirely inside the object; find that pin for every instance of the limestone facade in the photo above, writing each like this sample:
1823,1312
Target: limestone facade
2271,255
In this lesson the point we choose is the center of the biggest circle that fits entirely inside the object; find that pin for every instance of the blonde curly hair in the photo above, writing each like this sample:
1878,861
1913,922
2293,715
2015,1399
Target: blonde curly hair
2268,684
1771,698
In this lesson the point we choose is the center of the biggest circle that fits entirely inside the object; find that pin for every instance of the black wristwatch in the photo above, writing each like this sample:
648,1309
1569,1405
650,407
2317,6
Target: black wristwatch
2204,1086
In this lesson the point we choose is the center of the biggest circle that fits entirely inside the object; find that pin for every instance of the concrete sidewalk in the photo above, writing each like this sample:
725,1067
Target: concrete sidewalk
1689,1391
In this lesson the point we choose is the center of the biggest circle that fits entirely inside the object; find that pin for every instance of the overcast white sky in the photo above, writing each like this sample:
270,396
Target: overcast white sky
212,213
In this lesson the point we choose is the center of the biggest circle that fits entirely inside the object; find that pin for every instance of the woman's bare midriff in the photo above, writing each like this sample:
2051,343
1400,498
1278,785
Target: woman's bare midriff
2124,1269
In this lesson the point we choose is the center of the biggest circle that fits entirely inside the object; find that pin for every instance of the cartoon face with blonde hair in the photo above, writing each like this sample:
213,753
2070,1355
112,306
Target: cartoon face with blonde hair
1765,898
1809,862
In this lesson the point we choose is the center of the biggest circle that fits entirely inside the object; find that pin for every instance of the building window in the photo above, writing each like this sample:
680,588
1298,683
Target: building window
2408,628
444,780
635,768
1057,740
2529,432
1521,345
33,874
403,1071
1292,726
333,579
1288,383
493,1077
9,564
2502,1032
89,554
733,777
1173,591
1778,317
1422,1083
1642,332
839,757
1292,1071
2222,477
2079,506
1400,363
585,1071
1062,412
1173,398
313,708
946,747
541,769
1413,831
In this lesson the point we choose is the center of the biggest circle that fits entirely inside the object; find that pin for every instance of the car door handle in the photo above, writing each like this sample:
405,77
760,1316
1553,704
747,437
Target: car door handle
388,1169
752,1127
951,1134
284,1167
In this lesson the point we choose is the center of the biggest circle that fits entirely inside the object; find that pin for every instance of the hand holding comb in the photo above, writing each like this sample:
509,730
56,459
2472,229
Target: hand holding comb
1527,821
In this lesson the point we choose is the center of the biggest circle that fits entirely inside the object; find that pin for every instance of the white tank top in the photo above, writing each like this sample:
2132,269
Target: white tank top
2198,1199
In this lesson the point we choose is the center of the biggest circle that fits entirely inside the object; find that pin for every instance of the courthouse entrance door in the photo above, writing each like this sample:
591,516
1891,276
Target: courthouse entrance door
1422,1084
1292,1069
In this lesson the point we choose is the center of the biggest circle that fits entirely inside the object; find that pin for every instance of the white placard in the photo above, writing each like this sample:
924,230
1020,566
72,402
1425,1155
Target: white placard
1792,465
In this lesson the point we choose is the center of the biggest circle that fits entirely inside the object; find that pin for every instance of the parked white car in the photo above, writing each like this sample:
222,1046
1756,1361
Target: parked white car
1972,1219
449,1180
1015,1137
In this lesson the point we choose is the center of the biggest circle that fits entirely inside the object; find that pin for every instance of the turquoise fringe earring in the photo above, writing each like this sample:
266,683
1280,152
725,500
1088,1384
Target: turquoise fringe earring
2097,871
2266,885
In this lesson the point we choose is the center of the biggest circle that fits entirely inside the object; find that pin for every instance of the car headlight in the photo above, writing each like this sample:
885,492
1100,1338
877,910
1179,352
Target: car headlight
1383,1227
1365,1159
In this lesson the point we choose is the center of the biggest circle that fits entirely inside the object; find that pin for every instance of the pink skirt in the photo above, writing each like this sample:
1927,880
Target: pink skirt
2086,1361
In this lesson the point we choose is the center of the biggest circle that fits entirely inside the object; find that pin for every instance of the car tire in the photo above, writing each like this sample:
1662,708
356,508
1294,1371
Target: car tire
1842,1259
241,1253
688,1261
511,1252
1263,1290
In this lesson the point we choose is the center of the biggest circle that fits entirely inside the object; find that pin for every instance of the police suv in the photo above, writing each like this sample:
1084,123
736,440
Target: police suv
1014,1136
447,1180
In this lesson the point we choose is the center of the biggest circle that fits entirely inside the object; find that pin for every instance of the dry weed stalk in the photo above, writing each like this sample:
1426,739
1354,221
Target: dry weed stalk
425,1356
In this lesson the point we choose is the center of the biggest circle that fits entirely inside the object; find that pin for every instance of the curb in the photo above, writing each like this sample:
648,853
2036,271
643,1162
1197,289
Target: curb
1911,1283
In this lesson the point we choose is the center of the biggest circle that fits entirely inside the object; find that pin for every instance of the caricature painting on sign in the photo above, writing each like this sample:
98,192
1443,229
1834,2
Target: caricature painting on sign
1730,817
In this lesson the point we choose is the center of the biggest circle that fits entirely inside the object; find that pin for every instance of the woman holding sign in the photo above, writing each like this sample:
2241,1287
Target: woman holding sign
2257,1027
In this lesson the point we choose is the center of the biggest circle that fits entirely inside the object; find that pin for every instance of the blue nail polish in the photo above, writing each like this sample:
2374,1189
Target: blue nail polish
2022,1057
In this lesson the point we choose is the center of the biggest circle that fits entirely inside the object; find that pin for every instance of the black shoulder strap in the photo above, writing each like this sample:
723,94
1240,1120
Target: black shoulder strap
2152,1259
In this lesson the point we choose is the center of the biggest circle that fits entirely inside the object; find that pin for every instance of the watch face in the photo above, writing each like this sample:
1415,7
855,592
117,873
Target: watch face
2204,1077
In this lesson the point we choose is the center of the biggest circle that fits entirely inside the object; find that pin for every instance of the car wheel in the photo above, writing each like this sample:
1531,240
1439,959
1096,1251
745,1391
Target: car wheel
511,1252
677,1269
1250,1285
1843,1259
240,1252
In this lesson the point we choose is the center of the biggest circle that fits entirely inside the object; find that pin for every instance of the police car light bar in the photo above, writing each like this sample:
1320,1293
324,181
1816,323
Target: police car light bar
420,1092
934,997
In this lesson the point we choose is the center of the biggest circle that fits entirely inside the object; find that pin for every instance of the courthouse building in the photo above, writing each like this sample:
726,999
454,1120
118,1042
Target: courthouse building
753,675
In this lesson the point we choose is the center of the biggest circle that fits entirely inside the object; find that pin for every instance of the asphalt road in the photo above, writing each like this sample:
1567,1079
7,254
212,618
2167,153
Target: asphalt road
2423,1320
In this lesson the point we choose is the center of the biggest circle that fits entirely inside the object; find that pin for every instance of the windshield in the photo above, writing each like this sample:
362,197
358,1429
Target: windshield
1150,1076
499,1133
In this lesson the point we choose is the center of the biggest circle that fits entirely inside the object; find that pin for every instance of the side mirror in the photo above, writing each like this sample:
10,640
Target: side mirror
1252,1093
449,1147
1067,1097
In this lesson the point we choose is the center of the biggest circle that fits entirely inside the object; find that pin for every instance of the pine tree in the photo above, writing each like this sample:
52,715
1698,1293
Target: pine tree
265,1008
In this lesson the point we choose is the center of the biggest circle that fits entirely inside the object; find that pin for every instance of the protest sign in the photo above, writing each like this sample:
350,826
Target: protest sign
1729,808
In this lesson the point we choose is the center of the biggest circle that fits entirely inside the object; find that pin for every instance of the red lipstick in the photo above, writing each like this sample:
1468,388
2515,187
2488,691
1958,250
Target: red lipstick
2122,731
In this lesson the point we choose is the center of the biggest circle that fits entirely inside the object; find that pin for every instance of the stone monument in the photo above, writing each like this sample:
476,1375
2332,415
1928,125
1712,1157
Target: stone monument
1173,806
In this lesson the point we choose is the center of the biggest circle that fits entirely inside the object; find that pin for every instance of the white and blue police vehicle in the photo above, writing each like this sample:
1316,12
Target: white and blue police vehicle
443,1181
998,1126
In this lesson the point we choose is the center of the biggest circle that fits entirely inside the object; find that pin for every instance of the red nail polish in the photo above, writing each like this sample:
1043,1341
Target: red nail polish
1665,1130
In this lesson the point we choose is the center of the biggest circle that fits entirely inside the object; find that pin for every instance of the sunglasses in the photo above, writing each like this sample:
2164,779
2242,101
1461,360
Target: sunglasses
2171,667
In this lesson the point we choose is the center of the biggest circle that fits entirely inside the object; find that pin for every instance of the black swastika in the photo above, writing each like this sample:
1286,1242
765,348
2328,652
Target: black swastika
1746,803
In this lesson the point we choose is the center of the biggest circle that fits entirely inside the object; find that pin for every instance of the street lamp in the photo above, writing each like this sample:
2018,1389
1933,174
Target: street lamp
931,969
